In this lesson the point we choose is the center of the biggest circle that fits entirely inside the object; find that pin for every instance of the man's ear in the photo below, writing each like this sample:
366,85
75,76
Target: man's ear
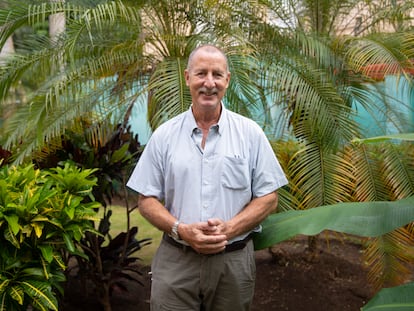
186,76
228,79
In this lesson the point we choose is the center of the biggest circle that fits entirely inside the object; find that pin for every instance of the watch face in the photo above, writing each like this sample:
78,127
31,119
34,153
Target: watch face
174,231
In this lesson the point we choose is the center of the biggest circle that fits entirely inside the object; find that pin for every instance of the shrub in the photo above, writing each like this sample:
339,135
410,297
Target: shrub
43,213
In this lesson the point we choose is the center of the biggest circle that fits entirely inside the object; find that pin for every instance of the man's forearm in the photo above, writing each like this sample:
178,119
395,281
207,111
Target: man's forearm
152,210
252,215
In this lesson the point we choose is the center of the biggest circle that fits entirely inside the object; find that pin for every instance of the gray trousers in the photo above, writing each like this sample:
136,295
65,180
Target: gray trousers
184,280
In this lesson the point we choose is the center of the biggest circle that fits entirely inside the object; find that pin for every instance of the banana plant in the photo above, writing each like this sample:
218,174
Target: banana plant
374,219
366,219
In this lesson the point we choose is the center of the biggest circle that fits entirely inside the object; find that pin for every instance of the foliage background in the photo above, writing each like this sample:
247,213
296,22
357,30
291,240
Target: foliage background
298,67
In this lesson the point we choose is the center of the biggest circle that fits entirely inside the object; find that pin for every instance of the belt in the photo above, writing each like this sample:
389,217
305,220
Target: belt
235,246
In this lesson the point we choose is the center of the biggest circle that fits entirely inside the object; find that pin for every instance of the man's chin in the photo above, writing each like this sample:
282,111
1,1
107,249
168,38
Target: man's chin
209,103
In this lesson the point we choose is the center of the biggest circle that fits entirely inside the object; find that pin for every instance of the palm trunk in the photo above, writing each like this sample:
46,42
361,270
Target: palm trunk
57,26
8,48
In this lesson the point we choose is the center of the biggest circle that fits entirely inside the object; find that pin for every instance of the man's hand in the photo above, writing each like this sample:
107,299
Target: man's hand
204,237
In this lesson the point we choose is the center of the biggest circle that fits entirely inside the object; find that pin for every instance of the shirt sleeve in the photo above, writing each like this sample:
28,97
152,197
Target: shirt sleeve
147,177
267,175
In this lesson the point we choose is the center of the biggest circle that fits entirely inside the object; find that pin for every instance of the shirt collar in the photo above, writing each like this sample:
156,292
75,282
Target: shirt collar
190,123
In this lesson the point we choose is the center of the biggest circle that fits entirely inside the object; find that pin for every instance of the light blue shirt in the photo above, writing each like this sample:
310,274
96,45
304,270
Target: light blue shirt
195,184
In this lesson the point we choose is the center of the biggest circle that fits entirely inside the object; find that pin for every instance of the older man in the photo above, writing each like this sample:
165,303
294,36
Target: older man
207,178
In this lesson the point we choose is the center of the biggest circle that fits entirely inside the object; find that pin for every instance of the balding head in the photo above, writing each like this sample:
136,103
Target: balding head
209,48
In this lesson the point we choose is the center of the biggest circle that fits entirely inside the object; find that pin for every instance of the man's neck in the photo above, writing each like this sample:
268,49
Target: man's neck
205,119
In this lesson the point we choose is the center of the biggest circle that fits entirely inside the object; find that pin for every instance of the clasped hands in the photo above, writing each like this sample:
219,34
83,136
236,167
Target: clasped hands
208,237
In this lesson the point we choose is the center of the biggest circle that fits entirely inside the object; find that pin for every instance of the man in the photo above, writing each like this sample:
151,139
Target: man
207,178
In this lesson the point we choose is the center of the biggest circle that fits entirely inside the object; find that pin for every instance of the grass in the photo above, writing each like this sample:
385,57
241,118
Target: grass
145,230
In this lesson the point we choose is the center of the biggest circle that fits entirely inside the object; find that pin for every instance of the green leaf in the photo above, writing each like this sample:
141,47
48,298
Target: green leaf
13,221
397,298
33,272
47,252
4,284
370,219
9,236
38,229
58,259
41,294
121,154
68,241
17,293
377,139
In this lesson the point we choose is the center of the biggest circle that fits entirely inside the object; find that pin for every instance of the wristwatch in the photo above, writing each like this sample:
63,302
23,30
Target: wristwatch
174,231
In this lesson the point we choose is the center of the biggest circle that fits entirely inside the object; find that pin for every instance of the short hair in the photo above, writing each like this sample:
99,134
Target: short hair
209,48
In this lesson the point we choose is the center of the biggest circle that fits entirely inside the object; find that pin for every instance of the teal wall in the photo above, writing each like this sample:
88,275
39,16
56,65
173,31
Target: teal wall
393,112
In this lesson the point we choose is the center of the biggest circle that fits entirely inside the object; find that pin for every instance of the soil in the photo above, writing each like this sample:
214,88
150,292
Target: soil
289,277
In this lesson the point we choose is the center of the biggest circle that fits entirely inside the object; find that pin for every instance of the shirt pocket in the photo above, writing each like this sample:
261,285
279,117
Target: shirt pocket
235,174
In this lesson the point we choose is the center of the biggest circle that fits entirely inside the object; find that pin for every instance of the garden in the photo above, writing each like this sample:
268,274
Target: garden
330,83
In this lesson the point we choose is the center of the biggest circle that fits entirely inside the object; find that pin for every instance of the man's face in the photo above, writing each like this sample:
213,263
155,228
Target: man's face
207,78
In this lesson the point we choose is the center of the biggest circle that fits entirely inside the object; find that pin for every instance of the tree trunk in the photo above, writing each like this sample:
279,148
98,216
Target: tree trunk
8,49
57,26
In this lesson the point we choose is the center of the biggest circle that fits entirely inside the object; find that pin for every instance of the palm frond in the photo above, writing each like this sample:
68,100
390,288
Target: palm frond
385,172
393,51
369,185
318,177
244,95
398,169
169,95
388,258
40,61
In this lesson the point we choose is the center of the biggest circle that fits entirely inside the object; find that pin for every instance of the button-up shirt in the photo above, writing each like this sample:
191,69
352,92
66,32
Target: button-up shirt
195,184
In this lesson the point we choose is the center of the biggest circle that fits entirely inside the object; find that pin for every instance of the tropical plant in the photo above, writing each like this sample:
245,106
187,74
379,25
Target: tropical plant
365,219
314,79
104,265
291,71
111,161
388,221
45,58
107,68
43,214
103,262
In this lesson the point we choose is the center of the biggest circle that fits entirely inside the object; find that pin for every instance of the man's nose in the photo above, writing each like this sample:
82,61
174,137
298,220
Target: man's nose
209,81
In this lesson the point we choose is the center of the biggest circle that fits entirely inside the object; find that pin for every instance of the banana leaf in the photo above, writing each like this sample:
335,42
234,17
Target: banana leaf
400,136
399,298
368,219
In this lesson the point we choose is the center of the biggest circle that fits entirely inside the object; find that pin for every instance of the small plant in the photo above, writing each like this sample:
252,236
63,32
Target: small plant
42,216
104,267
103,263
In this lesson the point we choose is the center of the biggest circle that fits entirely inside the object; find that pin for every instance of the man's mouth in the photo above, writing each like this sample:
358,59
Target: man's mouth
206,92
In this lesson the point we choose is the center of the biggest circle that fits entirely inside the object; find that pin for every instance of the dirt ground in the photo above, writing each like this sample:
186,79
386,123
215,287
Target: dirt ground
291,278
288,277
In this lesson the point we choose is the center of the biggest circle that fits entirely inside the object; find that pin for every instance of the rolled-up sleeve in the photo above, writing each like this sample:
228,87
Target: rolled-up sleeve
267,173
148,177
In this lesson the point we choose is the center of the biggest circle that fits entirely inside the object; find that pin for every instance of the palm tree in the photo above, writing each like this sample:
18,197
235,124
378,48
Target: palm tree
290,71
315,78
112,54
